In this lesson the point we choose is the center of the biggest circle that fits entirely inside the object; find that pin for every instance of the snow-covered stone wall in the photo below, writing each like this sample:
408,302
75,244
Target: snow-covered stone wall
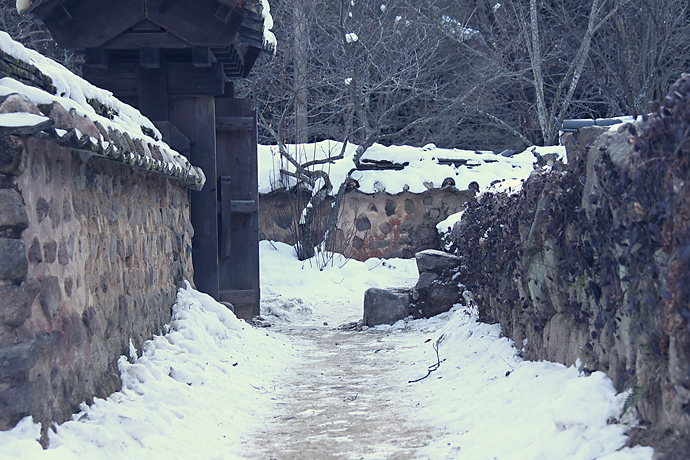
95,236
590,264
91,255
379,225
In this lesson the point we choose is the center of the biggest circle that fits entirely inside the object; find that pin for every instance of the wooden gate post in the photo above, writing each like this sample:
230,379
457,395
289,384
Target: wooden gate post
195,117
237,168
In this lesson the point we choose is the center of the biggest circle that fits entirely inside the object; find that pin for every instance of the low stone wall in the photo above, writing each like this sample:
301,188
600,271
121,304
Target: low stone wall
91,255
592,262
370,225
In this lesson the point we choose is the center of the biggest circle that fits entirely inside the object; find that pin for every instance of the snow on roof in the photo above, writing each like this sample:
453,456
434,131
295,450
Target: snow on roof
86,117
417,168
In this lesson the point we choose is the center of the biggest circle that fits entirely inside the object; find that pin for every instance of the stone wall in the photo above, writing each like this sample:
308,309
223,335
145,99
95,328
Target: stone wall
370,225
91,255
592,262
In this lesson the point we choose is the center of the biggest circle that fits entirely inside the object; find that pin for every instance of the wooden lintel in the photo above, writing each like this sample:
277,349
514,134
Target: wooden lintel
96,57
150,58
135,40
234,123
202,57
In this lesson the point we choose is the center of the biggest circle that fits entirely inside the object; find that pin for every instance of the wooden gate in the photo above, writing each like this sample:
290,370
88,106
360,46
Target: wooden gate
238,198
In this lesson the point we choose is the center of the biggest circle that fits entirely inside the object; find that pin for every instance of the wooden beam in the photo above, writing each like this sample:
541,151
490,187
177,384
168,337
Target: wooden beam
173,136
249,59
225,216
96,57
197,25
202,57
94,22
150,58
135,40
185,79
195,118
153,91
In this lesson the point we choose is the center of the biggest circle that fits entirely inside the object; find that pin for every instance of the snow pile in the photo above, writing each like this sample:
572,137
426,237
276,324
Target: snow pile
199,391
292,290
489,403
428,164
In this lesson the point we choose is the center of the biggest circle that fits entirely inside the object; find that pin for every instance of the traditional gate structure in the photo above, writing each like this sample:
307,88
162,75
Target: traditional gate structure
176,60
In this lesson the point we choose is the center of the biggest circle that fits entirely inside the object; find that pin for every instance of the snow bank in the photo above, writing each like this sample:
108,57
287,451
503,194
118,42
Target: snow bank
196,392
489,403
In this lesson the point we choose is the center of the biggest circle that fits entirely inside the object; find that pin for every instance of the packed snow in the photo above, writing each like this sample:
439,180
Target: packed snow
202,389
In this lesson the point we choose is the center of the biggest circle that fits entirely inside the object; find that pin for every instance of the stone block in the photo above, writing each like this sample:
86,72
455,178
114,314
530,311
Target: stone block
383,306
379,244
13,261
51,295
13,213
63,254
14,305
15,103
55,213
12,155
431,260
16,402
42,208
60,116
50,251
35,254
16,361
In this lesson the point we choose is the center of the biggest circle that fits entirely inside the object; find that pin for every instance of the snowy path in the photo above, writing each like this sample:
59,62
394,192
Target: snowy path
343,400
213,387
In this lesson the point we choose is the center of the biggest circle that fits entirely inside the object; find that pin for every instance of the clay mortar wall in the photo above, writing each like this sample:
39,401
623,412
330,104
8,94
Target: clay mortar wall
370,225
91,255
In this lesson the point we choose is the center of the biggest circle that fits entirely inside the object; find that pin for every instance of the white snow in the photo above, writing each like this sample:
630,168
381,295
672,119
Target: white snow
13,120
269,39
201,390
484,167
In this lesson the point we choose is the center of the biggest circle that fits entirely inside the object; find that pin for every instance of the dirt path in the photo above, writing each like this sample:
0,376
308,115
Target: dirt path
342,401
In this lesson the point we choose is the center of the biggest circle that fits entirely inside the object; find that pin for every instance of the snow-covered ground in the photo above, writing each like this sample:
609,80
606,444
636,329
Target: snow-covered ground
203,389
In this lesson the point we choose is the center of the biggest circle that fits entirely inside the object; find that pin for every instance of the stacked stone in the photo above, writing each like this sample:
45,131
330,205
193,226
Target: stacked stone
91,255
16,358
436,291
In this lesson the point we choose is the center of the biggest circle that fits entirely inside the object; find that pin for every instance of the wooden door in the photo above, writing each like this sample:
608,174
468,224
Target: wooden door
238,210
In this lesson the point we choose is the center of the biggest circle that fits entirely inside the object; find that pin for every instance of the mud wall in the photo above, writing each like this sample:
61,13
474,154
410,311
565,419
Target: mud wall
591,261
370,225
91,255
